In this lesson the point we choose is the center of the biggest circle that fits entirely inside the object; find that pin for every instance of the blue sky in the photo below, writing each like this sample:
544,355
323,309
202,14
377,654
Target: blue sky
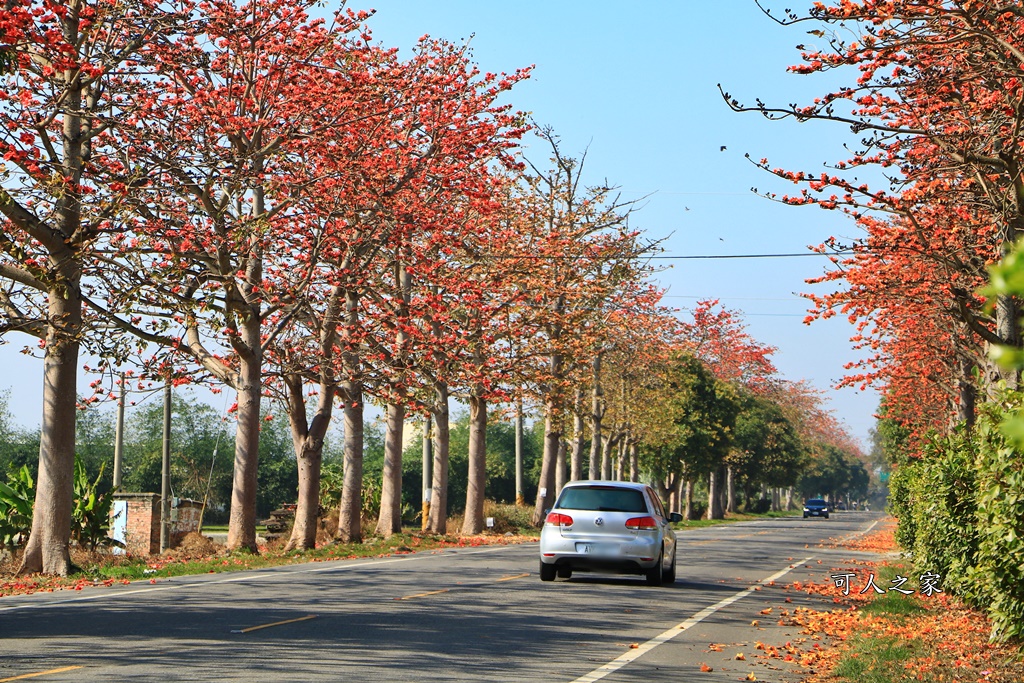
636,82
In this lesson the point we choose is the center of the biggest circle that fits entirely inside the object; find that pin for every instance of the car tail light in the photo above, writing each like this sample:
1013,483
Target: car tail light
641,523
558,519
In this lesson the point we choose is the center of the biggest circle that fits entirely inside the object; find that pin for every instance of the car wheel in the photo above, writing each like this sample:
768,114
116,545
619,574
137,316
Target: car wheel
826,515
655,575
565,572
547,572
670,575
805,515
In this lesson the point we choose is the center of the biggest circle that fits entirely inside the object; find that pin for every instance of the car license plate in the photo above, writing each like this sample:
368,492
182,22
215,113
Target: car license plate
595,549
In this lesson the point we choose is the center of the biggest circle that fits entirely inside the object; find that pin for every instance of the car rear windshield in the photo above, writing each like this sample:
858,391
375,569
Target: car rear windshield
603,498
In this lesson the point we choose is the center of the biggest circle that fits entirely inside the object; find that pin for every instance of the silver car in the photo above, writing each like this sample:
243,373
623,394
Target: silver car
609,526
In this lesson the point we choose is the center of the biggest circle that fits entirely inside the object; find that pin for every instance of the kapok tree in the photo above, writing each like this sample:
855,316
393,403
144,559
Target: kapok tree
218,143
934,96
389,211
628,339
581,231
65,90
461,131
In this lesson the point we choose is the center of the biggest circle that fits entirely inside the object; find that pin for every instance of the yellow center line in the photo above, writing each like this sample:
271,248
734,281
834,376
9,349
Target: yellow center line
512,578
423,595
276,623
41,673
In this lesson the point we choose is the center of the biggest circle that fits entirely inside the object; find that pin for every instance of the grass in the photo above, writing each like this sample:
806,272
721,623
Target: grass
878,660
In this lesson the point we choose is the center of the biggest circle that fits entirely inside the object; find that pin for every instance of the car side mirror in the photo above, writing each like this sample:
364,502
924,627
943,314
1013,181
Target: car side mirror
675,517
546,511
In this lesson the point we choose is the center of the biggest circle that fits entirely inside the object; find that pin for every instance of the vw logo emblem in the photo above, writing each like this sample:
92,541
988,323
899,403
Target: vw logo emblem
599,521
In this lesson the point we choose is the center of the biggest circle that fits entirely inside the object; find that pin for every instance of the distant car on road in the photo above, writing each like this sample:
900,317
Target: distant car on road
609,526
815,507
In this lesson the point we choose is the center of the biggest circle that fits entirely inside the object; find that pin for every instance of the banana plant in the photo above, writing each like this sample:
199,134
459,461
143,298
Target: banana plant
90,518
16,496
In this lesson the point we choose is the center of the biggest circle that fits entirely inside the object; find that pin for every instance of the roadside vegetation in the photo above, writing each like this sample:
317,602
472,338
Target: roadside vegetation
935,279
892,637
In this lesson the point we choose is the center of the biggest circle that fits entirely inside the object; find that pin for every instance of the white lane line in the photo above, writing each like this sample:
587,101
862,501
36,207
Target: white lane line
336,566
634,654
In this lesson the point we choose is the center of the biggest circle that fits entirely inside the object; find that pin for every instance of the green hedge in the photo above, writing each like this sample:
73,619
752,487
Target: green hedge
961,514
1001,528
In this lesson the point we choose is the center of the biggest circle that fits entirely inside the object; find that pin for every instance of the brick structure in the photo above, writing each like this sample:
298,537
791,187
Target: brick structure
142,527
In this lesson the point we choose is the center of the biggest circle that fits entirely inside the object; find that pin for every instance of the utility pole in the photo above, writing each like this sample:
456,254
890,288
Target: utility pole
119,437
428,461
165,475
520,500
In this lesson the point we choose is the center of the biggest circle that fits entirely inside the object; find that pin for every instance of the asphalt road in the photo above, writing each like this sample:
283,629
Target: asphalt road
479,614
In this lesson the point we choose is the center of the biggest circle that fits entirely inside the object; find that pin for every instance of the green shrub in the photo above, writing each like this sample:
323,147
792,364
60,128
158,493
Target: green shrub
1000,517
900,504
943,493
509,518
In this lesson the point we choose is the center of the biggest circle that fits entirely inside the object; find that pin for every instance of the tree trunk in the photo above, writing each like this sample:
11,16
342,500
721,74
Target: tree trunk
597,409
546,485
606,456
688,499
47,550
308,442
349,514
669,491
349,522
730,486
560,466
789,498
389,520
48,544
620,465
967,394
634,462
666,488
576,469
714,500
438,522
242,520
1007,330
473,521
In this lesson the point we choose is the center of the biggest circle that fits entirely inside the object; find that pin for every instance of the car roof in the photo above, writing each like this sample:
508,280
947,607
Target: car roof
606,482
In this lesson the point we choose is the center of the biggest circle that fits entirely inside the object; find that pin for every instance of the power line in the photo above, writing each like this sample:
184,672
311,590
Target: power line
734,256
678,257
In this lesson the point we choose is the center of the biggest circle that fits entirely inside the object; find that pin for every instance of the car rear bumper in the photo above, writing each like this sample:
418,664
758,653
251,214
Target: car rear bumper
582,563
637,555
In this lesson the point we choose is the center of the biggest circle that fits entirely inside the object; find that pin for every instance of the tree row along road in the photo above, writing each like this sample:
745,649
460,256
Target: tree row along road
467,615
